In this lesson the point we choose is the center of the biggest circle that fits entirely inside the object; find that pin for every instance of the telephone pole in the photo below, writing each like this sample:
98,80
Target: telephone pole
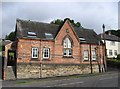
105,57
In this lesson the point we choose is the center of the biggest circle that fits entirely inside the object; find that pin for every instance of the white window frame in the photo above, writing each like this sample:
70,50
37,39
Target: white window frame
48,49
110,51
36,52
93,55
86,55
115,52
67,45
67,52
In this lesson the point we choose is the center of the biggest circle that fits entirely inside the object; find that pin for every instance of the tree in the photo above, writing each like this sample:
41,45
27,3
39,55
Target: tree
60,22
11,36
114,32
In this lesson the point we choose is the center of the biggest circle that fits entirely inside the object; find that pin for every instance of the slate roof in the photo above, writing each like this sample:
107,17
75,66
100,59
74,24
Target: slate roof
110,37
5,42
24,26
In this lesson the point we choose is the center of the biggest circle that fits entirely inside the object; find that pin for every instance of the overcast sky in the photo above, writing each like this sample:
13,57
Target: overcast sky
90,14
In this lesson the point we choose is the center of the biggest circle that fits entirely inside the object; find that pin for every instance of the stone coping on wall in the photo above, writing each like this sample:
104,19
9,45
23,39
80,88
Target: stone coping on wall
64,64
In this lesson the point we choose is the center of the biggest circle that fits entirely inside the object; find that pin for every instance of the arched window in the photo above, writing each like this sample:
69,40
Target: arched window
67,45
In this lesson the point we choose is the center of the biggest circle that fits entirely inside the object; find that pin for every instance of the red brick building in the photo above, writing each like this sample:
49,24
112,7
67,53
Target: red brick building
47,50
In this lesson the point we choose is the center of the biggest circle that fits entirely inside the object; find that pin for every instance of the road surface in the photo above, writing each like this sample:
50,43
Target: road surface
108,79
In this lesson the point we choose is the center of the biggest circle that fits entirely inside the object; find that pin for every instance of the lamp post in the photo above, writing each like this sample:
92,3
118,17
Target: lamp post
104,61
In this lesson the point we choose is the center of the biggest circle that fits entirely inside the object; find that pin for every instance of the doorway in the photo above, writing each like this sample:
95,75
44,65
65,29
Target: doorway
11,58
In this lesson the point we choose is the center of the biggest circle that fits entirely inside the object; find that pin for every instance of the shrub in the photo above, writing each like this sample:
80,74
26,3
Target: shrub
113,63
118,57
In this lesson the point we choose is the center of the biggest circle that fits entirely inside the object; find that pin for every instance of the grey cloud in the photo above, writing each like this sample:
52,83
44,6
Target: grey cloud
91,15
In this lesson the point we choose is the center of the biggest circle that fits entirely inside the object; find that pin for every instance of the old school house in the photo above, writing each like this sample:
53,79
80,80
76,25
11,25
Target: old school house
47,50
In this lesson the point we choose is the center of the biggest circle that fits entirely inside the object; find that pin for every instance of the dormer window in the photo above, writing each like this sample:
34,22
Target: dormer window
48,36
82,39
67,44
32,34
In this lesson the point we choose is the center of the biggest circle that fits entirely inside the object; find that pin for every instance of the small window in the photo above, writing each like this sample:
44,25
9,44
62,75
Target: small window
32,33
112,43
85,54
110,52
34,52
115,52
46,53
82,39
93,55
48,36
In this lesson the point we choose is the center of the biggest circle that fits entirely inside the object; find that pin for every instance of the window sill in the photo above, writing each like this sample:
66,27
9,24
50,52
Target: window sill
46,59
86,60
34,59
67,57
93,60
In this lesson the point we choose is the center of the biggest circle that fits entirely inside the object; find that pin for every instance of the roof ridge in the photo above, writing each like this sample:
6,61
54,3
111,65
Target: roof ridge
35,22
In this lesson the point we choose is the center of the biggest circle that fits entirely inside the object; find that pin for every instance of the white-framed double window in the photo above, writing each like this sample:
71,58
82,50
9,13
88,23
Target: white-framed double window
110,52
93,55
67,51
46,53
115,52
34,52
86,57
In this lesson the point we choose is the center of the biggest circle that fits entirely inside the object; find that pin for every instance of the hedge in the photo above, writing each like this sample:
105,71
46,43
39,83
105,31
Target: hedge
113,63
118,57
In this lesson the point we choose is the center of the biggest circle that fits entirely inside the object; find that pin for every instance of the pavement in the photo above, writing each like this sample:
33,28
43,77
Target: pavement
107,79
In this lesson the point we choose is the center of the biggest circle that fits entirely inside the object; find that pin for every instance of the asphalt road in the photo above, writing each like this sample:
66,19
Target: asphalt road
108,79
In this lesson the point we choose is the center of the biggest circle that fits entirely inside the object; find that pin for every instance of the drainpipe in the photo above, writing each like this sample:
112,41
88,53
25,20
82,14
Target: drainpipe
40,68
99,55
90,59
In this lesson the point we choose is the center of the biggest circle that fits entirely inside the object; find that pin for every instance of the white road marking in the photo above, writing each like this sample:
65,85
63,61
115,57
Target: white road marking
108,78
65,84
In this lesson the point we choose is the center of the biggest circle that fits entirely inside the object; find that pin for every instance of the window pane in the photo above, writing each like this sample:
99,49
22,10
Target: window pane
46,53
34,52
67,43
93,55
65,52
110,52
69,52
86,55
115,52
